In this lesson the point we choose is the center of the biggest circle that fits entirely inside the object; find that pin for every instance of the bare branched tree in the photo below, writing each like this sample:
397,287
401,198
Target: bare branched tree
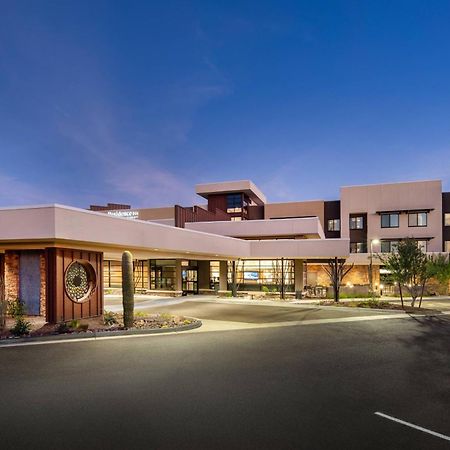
337,271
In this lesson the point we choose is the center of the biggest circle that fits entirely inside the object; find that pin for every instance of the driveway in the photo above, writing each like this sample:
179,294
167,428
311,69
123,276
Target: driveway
211,308
297,387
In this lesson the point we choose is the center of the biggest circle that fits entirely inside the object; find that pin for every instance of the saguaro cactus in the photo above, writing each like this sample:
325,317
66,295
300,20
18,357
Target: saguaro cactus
127,289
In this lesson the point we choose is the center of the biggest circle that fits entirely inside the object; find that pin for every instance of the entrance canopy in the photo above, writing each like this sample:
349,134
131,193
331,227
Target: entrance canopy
37,227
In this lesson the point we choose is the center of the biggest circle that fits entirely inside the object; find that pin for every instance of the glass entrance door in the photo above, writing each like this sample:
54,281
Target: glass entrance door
190,280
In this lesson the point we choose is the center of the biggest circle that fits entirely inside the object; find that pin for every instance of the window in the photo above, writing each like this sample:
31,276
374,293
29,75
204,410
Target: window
356,223
422,245
417,219
358,247
389,220
234,203
388,246
236,219
334,225
447,246
447,219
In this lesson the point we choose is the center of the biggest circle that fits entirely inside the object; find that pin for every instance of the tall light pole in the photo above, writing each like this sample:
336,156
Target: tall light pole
376,242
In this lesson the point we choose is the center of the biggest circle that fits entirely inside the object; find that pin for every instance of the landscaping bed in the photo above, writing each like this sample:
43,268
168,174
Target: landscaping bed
109,322
378,304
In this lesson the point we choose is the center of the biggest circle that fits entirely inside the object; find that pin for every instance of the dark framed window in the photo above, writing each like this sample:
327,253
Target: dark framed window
390,220
334,225
356,223
234,203
447,219
422,244
388,246
419,219
358,247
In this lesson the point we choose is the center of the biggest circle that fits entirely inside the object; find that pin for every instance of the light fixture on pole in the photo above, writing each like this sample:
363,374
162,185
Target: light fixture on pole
376,242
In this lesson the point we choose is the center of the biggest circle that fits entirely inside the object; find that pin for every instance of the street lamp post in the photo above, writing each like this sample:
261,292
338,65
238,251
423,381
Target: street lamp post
372,241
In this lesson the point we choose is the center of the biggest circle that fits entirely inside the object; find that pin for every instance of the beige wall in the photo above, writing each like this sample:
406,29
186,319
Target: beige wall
392,197
308,227
295,209
64,226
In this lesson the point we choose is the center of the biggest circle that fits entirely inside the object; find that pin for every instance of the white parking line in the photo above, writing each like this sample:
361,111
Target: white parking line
411,425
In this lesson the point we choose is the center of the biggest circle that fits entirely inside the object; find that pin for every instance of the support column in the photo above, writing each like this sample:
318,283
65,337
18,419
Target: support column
178,279
204,276
223,275
298,275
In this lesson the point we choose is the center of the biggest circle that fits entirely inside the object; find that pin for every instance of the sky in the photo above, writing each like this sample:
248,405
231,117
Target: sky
137,101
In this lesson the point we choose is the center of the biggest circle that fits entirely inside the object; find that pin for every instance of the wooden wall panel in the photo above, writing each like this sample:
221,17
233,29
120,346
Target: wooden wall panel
59,306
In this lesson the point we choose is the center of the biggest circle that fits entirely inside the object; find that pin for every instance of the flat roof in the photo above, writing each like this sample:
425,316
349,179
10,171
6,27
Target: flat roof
38,227
224,187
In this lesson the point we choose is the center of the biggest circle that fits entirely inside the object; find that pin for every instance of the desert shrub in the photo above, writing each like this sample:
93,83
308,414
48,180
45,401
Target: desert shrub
63,328
17,311
21,327
110,318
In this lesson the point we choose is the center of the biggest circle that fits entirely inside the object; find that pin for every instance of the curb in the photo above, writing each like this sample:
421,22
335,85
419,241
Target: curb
94,335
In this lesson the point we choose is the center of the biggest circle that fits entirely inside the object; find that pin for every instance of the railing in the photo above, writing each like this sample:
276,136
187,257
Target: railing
197,214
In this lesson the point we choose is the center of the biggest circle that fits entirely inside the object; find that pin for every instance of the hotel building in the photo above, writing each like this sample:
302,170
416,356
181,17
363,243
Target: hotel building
59,260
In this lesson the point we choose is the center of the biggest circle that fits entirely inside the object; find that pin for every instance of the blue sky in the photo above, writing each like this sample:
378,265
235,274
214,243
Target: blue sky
137,102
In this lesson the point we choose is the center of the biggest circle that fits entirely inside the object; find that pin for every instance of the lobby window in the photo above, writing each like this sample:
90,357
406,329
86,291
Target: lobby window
447,219
358,247
234,203
388,246
334,225
356,223
422,245
417,219
389,220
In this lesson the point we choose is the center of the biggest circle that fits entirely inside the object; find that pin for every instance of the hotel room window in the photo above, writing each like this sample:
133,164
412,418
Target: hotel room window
389,220
447,219
234,203
422,245
358,247
417,219
388,246
356,223
334,225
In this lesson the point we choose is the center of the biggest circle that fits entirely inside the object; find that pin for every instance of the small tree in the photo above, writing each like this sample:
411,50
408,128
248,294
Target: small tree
438,267
411,268
127,289
337,271
394,264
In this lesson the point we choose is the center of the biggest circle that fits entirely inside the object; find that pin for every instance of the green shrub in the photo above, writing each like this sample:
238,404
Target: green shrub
16,308
63,328
17,311
110,318
74,324
265,289
21,327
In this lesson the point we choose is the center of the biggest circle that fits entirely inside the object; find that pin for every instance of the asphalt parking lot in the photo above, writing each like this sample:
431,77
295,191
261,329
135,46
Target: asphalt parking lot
314,387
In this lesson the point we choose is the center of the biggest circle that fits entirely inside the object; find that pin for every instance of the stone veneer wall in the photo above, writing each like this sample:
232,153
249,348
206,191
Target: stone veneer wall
11,276
359,275
12,261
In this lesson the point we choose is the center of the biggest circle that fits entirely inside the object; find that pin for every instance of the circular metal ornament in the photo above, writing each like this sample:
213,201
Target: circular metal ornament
79,281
